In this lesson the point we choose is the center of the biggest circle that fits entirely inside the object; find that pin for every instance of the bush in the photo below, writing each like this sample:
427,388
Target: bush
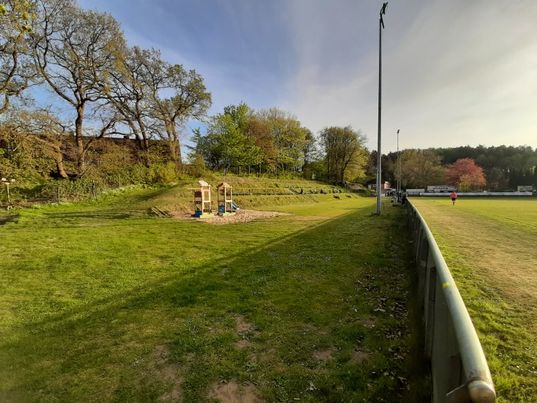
163,174
197,167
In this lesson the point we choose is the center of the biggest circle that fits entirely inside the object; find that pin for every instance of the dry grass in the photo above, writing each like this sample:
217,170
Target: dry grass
233,392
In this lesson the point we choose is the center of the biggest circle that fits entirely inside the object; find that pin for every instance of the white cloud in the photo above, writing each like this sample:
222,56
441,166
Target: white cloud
455,73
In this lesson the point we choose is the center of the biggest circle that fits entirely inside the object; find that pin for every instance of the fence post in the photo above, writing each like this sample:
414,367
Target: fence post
429,302
421,263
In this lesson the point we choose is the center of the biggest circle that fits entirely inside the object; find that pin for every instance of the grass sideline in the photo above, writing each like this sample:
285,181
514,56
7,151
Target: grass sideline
111,304
489,245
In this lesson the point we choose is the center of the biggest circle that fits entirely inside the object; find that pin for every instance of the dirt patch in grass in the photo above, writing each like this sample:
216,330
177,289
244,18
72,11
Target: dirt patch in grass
243,344
245,330
324,355
169,373
241,216
233,392
243,326
359,356
369,322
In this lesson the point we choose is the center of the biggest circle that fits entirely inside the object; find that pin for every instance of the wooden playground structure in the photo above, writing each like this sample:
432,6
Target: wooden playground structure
203,200
225,198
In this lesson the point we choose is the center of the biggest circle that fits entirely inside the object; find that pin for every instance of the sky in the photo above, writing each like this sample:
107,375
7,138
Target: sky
455,72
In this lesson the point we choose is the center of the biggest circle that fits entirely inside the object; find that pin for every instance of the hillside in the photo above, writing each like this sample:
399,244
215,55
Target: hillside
248,192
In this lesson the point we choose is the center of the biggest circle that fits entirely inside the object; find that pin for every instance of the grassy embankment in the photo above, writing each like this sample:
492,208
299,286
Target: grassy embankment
100,301
250,192
490,247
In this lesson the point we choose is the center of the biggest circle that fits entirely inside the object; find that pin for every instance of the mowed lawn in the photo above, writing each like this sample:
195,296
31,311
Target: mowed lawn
104,303
490,246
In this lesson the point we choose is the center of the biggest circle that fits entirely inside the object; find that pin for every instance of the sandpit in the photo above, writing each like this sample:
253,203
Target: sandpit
241,216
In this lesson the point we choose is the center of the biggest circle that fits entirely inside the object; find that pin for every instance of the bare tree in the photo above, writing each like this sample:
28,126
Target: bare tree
16,70
75,52
189,99
156,98
45,132
130,95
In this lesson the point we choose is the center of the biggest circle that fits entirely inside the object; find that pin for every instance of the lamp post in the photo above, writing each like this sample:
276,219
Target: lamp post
8,182
398,165
379,152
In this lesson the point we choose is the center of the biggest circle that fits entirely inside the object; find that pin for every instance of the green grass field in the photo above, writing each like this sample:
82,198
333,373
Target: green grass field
101,302
490,247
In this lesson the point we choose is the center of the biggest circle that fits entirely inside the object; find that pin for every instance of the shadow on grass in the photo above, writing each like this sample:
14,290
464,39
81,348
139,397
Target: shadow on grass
4,219
97,215
339,288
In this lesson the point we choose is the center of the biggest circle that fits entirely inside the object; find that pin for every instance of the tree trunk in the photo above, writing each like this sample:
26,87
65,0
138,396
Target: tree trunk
174,146
58,159
79,138
142,146
175,154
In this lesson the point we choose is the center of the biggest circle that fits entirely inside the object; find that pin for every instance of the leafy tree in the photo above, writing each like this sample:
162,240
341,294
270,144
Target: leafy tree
310,148
420,168
289,139
75,52
259,130
227,142
271,140
465,174
345,153
497,179
16,72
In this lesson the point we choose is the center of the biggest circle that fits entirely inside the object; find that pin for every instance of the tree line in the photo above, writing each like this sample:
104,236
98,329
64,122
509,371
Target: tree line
114,91
274,141
125,109
109,88
496,168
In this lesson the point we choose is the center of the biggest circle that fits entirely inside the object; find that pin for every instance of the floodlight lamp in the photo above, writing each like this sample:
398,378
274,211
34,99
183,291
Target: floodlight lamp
383,9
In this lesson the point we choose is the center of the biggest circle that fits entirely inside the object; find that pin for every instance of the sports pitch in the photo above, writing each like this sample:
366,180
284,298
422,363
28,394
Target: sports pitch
490,247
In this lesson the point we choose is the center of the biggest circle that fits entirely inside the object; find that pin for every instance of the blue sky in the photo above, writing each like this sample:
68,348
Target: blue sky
455,72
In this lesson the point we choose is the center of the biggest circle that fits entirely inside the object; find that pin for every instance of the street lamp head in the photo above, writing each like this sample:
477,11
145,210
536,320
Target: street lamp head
383,9
4,180
397,131
12,180
382,12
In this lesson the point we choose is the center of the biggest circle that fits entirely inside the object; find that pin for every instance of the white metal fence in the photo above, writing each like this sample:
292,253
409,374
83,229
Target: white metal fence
460,372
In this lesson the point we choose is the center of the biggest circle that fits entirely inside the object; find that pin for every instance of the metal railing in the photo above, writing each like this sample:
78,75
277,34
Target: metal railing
460,372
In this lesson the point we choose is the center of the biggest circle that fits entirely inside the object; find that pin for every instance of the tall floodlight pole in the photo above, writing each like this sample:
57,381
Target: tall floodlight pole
398,165
379,151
